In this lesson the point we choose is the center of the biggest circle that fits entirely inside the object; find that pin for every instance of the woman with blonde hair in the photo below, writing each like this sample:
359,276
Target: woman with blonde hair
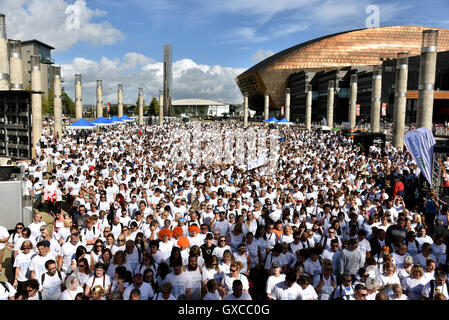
414,284
287,235
118,260
388,278
234,274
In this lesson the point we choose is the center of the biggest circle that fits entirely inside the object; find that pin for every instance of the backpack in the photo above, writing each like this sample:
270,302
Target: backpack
432,288
43,276
5,286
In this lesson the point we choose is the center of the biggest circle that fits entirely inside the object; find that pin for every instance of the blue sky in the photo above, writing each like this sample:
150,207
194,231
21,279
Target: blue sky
213,41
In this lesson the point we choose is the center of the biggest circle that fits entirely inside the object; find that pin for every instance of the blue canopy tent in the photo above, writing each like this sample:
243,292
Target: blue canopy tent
271,120
116,119
126,118
284,121
102,122
81,124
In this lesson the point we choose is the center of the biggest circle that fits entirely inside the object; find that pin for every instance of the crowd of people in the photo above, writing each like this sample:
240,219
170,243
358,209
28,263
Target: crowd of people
333,222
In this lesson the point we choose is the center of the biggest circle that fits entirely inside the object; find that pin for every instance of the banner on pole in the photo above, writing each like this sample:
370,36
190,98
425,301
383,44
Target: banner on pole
420,144
357,110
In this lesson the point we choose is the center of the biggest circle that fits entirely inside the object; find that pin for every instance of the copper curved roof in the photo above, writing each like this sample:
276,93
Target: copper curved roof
350,48
361,47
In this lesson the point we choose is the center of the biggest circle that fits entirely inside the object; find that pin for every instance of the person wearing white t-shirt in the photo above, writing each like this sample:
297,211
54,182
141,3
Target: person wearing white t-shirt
287,289
439,285
165,293
36,225
22,263
425,254
233,275
325,283
7,291
52,281
99,278
146,290
180,281
238,292
308,291
414,284
37,266
275,278
212,291
72,288
68,252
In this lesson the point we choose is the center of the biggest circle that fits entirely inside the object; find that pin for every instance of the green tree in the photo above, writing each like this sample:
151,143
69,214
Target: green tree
48,103
68,106
154,107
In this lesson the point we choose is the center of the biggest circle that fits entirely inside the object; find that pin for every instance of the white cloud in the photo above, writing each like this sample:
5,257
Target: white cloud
48,21
261,55
190,80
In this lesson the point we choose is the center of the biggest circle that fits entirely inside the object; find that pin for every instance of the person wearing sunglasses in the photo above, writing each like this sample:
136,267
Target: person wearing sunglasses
345,290
22,264
360,292
234,274
14,238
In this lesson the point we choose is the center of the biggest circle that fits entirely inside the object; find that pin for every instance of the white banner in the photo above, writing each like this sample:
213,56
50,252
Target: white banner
420,144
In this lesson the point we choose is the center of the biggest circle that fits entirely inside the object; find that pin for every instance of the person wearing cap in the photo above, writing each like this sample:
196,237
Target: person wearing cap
351,259
275,278
182,225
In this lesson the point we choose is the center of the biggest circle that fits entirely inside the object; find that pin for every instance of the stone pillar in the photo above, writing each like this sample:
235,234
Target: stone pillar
267,105
308,107
57,102
245,110
4,63
36,100
120,100
376,94
287,104
140,106
400,99
427,70
330,104
99,98
15,65
78,98
352,113
161,108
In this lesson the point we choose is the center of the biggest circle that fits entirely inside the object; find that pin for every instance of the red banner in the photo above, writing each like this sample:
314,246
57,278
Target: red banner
357,110
384,109
282,110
